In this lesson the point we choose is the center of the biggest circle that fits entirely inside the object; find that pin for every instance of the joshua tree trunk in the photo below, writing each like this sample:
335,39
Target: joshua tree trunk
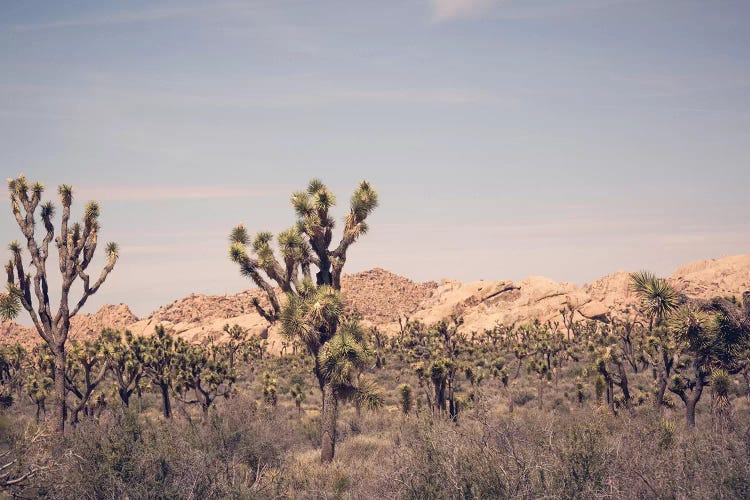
540,393
125,396
440,396
691,393
624,386
60,390
667,362
691,400
690,413
661,389
166,403
328,423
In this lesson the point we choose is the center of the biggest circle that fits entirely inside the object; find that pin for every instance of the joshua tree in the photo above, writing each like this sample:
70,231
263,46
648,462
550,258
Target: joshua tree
39,382
204,371
119,352
13,360
86,369
441,350
610,361
405,398
711,339
238,344
76,245
313,306
658,301
270,392
298,393
159,355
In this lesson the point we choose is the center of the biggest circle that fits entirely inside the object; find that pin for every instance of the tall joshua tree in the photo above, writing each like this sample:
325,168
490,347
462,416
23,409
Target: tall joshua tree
313,306
658,301
76,245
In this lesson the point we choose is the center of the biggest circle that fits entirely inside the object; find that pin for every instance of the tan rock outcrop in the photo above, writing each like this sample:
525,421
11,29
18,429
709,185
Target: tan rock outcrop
383,297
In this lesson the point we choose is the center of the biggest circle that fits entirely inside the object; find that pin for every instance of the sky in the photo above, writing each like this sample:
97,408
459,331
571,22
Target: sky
506,138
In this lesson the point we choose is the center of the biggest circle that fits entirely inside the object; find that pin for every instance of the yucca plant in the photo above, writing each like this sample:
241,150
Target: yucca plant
657,300
76,245
721,385
313,305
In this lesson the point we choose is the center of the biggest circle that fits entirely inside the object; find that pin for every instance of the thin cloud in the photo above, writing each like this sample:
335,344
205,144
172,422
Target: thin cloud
447,10
127,17
147,193
444,10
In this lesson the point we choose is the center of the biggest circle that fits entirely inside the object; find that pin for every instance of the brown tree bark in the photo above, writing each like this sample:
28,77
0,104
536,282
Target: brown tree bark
60,391
328,423
166,402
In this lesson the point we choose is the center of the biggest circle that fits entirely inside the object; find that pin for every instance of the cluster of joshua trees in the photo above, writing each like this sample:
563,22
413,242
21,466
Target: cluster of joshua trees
684,345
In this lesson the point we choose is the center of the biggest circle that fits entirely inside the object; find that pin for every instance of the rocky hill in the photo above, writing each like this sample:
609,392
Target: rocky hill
382,297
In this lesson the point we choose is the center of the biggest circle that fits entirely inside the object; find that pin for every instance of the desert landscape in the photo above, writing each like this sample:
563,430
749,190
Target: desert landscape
369,384
413,249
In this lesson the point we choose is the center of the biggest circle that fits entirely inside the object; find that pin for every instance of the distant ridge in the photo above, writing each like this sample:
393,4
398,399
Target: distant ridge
382,297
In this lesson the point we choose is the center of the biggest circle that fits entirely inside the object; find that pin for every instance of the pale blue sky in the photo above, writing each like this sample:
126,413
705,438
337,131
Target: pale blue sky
506,138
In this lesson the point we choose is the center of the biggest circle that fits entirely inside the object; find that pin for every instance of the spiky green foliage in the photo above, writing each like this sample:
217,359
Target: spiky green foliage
721,383
239,235
406,401
112,250
342,359
657,297
368,394
311,315
10,302
298,394
48,210
270,389
66,194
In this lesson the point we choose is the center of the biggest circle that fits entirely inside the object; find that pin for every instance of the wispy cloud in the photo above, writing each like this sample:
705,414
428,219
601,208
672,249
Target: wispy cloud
443,10
446,10
147,193
148,14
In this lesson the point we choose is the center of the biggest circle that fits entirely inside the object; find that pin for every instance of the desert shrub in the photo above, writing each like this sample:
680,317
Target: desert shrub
522,398
233,453
582,459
